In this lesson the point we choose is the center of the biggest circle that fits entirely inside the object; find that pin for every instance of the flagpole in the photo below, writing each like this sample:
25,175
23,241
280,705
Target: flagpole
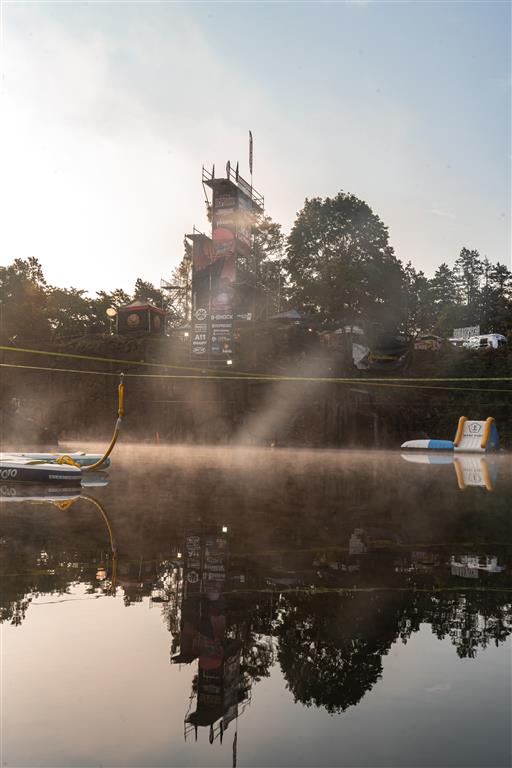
250,156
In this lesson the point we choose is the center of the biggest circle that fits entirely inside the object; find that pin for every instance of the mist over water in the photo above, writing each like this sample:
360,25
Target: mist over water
221,605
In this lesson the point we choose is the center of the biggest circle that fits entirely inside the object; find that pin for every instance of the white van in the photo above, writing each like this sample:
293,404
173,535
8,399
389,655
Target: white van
493,340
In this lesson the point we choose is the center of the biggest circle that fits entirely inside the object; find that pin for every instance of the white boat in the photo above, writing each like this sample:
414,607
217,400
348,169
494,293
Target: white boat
79,457
18,469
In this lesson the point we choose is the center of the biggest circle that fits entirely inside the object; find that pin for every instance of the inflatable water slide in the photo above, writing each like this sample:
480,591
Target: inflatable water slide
471,437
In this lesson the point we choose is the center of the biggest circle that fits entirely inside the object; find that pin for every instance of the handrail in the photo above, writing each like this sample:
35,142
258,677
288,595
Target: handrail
239,181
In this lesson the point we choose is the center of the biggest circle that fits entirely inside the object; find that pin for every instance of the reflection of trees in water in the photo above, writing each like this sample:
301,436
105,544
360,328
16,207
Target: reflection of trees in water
472,620
331,646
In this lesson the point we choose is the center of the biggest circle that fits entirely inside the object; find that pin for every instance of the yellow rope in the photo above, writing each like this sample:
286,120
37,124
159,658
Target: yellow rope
374,382
117,429
247,374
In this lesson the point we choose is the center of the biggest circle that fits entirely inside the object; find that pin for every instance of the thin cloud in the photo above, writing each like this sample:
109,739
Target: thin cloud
442,214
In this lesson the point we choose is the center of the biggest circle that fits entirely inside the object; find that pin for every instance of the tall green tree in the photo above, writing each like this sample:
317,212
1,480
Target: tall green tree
260,279
340,264
70,312
419,307
23,302
496,299
469,269
444,287
178,299
146,292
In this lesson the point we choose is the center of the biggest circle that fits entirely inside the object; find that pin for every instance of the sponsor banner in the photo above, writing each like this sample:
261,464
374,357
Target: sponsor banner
466,333
202,258
221,333
223,200
200,332
224,230
214,271
244,225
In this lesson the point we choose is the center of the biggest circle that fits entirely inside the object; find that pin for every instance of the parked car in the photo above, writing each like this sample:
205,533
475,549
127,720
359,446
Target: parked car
458,342
492,340
428,341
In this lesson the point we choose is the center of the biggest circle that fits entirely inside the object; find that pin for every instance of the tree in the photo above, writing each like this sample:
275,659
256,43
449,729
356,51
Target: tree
177,296
329,652
448,311
259,279
104,300
496,299
69,311
340,264
147,293
23,301
420,311
469,269
444,287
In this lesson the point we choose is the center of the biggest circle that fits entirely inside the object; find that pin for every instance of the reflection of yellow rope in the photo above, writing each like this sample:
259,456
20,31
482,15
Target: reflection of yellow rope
113,545
66,504
102,512
117,429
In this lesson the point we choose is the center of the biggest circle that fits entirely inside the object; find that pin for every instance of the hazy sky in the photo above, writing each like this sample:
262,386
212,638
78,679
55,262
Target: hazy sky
109,111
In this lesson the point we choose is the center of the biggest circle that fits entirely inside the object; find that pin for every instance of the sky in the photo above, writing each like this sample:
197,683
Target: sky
110,109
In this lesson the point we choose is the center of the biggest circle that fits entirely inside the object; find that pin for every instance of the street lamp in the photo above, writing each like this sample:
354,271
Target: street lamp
111,312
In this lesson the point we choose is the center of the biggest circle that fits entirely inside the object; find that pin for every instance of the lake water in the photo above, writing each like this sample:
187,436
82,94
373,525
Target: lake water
260,608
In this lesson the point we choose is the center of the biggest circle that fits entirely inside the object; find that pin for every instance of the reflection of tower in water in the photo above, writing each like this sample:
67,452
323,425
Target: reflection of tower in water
220,691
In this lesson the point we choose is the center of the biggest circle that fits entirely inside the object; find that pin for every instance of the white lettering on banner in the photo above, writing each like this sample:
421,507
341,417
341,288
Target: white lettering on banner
5,474
467,332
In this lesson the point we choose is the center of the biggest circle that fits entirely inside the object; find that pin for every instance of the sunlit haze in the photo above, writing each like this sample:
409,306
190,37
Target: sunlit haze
110,110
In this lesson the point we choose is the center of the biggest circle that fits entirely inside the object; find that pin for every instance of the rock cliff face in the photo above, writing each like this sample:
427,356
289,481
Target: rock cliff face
70,397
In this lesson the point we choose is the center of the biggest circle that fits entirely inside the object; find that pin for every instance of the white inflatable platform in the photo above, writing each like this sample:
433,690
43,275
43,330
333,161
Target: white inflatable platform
471,437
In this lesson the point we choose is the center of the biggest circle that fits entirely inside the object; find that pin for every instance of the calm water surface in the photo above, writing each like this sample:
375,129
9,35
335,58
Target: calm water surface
260,608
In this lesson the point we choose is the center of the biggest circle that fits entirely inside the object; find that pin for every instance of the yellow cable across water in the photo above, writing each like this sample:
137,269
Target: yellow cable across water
237,375
409,383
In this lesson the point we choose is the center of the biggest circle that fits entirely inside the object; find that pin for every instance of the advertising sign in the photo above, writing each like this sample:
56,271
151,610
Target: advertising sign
214,304
224,227
466,333
202,266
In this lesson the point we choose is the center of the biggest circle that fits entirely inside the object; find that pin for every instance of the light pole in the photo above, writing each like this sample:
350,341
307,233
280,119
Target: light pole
111,312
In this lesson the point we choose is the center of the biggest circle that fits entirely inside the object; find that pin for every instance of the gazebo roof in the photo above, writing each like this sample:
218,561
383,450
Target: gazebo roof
138,305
